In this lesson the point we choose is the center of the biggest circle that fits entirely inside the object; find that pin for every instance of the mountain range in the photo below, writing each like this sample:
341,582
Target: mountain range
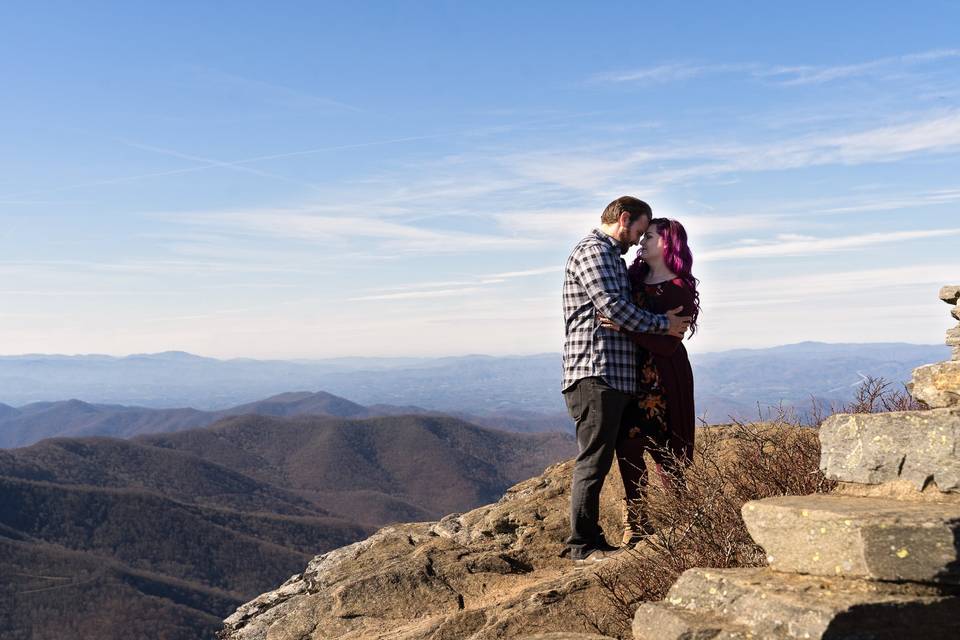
163,535
517,390
22,426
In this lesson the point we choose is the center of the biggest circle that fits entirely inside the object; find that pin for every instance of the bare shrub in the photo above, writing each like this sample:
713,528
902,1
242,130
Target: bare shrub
873,395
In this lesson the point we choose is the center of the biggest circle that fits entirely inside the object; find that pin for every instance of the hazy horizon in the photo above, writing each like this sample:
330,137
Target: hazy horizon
728,382
451,355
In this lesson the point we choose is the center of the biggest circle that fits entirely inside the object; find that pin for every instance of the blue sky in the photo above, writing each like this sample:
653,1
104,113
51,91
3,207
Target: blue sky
407,178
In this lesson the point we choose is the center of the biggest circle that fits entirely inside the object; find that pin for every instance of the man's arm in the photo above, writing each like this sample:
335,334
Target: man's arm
597,272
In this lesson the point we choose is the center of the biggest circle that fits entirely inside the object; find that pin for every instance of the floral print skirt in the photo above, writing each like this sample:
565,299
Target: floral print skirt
649,416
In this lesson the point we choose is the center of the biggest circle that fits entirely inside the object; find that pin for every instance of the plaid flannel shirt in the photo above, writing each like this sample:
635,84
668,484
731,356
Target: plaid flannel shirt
595,280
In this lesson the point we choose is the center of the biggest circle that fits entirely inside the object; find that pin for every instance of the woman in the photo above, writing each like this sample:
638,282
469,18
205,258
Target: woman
662,421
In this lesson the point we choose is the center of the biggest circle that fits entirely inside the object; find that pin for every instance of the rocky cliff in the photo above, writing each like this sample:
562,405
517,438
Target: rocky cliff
494,572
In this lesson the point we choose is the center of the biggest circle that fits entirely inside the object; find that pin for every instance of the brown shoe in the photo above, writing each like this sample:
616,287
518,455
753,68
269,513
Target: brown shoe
636,528
636,537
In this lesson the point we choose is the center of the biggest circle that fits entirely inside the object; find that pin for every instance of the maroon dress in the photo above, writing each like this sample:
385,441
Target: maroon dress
663,416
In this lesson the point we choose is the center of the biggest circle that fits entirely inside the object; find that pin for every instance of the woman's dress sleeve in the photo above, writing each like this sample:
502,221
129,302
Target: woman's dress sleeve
662,345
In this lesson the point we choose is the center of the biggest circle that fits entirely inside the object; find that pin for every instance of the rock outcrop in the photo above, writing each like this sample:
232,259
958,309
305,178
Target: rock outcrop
494,572
877,559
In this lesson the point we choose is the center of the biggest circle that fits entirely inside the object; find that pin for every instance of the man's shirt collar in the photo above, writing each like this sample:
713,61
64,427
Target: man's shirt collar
609,240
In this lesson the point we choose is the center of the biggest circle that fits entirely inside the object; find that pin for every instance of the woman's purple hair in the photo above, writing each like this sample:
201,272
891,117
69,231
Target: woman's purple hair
677,257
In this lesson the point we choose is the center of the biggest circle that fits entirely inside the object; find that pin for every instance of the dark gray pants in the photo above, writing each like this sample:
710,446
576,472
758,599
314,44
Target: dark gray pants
598,410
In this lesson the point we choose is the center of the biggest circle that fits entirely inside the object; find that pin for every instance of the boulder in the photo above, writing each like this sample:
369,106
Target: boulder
762,603
937,385
950,294
918,446
868,538
953,337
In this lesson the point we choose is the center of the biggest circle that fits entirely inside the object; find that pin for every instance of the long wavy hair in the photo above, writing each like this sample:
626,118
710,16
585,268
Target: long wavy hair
677,257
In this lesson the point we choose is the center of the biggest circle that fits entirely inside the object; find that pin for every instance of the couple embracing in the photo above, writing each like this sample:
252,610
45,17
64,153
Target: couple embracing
627,380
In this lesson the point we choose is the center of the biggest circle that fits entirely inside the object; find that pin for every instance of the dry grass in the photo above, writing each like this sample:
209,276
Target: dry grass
698,518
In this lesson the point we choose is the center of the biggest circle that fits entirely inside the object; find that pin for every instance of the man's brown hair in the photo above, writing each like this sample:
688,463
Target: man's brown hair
625,204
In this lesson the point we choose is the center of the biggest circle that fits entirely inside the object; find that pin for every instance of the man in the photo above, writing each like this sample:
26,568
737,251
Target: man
600,365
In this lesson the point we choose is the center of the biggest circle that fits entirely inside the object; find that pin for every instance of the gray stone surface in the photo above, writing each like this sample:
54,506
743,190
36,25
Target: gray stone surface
938,385
868,538
781,605
917,446
663,621
950,294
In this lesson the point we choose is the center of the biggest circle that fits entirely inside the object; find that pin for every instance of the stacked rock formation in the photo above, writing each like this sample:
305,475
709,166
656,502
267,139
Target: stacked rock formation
879,558
939,384
951,295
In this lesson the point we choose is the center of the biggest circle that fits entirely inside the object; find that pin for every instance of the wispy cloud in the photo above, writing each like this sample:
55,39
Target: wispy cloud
212,163
671,72
892,203
800,75
87,293
242,164
157,267
653,168
793,288
426,285
304,226
792,246
271,92
444,289
784,75
216,164
566,224
896,141
863,199
527,272
930,133
413,295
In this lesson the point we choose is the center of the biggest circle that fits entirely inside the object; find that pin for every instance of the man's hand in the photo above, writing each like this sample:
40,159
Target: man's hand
678,324
607,323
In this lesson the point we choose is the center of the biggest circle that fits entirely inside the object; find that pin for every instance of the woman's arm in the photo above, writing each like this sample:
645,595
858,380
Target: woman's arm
657,345
662,345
